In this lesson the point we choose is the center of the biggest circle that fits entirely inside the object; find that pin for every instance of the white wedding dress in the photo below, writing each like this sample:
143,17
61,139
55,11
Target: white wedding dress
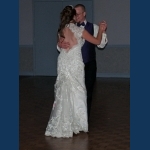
69,112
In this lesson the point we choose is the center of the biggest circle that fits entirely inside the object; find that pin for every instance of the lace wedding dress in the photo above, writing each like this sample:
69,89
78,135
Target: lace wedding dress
69,112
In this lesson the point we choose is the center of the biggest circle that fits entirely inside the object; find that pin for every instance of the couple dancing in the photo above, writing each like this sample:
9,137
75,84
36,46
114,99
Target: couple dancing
73,88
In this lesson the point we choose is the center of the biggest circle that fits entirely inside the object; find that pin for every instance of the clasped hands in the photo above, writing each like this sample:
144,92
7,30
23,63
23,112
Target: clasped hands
103,26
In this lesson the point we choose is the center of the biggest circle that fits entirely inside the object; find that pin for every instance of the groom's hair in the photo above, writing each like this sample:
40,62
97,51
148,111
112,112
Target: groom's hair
80,5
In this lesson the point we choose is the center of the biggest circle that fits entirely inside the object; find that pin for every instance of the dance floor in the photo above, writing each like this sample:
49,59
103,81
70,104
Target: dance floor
109,127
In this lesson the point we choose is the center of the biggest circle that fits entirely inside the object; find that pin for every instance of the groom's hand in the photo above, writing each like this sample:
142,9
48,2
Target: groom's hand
63,44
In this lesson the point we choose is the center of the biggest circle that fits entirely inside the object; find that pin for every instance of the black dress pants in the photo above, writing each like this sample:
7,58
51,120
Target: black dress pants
90,77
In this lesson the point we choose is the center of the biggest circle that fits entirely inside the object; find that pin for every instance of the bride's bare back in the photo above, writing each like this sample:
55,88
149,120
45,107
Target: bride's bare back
69,38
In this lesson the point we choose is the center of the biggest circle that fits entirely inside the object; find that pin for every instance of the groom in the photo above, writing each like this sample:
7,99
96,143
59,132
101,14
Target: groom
88,51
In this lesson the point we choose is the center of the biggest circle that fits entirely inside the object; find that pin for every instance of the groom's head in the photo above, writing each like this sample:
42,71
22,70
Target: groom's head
80,13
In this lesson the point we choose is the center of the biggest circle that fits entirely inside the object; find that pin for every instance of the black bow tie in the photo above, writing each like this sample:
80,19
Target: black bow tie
80,24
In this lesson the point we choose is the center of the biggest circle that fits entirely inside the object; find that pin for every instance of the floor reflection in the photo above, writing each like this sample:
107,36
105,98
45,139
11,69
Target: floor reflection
78,142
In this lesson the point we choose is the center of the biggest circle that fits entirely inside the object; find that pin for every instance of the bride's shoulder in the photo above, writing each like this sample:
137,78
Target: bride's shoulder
75,29
73,26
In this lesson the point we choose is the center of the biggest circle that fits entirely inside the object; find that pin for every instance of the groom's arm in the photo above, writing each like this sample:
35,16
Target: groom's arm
62,44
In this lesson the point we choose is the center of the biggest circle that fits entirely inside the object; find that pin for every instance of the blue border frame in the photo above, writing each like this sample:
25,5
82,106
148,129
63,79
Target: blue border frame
140,76
9,76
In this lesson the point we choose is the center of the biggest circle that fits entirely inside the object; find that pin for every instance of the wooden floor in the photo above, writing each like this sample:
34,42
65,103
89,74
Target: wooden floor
109,127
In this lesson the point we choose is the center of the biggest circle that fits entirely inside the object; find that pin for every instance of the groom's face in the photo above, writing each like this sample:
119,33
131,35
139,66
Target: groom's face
80,14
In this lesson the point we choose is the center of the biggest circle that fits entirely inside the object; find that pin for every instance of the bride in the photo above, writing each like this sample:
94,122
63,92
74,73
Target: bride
69,112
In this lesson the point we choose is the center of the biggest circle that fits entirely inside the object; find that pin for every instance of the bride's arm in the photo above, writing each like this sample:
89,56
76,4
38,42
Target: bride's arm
87,36
95,40
104,40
